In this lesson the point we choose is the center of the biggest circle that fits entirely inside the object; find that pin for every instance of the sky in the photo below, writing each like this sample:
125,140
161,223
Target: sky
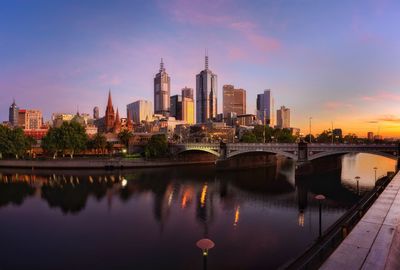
335,61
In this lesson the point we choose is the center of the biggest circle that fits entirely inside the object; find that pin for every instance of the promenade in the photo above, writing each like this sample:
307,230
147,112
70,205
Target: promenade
375,241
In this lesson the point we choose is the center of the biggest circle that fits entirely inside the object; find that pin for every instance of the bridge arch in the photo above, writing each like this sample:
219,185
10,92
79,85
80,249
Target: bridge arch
358,151
213,152
269,151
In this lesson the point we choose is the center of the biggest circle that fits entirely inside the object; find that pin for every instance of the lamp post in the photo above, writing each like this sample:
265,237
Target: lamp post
375,168
310,128
205,244
320,198
358,186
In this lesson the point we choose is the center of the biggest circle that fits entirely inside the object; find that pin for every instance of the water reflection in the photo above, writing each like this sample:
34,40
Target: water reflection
137,215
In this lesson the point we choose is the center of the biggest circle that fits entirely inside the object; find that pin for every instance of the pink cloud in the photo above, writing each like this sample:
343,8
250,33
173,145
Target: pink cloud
382,95
335,105
210,13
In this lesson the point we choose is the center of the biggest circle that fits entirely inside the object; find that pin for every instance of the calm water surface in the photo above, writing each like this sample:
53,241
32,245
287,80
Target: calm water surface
258,219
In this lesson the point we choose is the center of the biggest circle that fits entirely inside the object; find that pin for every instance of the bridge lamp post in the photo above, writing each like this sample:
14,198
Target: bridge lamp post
205,245
375,168
358,186
320,198
310,128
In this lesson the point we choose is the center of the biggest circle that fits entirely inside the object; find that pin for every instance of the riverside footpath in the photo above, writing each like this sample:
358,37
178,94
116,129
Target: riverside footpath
375,241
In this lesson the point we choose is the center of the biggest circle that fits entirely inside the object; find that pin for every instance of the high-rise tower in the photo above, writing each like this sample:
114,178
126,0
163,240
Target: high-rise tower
162,91
265,108
13,114
206,94
110,116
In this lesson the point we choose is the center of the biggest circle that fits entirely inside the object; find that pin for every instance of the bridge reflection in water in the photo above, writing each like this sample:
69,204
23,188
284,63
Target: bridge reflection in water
130,218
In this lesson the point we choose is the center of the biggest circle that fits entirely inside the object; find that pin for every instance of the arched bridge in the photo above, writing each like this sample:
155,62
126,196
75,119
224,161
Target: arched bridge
296,151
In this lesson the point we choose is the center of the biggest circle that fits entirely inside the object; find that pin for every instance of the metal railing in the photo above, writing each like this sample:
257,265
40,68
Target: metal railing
322,248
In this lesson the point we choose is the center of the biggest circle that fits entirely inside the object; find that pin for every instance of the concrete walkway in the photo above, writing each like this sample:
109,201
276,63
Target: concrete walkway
375,241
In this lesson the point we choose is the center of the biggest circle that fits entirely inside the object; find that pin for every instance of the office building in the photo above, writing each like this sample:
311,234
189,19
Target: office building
188,110
265,108
187,92
13,114
30,119
283,117
141,110
176,107
162,91
206,94
234,100
370,136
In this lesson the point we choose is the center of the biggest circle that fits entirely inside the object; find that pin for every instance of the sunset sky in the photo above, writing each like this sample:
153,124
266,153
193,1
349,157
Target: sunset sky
332,60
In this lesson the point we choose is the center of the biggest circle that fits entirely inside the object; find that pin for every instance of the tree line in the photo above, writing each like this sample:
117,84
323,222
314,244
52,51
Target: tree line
14,143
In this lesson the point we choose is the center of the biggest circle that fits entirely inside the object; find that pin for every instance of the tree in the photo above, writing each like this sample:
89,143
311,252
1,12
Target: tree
263,133
99,142
307,138
284,136
249,137
51,142
124,137
19,142
157,146
325,137
5,142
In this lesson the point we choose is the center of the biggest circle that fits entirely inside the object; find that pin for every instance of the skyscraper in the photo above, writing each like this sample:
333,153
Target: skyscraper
187,92
141,110
188,110
13,114
265,108
206,94
110,116
283,117
161,91
176,107
234,100
96,114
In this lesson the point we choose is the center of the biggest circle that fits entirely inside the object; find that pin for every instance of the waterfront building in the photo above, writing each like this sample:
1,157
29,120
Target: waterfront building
30,119
234,100
110,116
283,117
176,107
141,110
187,92
13,114
162,91
96,113
117,123
265,108
206,94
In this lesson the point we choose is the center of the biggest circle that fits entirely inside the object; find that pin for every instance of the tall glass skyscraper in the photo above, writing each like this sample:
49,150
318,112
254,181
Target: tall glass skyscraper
206,94
162,91
265,108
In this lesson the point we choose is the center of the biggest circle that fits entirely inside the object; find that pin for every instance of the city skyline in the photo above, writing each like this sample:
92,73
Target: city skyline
115,46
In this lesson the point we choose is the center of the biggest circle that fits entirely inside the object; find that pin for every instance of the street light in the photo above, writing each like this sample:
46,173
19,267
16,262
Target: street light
320,198
205,244
310,128
375,168
358,186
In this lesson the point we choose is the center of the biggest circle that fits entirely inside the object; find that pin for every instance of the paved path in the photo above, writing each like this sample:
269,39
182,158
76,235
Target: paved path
375,241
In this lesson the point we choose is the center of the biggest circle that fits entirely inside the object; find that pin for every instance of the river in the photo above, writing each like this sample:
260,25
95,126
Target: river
152,218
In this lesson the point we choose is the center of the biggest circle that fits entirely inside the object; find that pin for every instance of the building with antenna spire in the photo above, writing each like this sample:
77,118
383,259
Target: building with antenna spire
162,91
206,94
13,114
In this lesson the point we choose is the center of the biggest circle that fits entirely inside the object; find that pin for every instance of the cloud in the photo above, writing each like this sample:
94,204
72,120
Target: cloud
335,105
216,14
390,118
382,95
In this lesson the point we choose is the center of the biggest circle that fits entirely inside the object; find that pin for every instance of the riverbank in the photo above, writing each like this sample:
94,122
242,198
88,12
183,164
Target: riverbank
85,163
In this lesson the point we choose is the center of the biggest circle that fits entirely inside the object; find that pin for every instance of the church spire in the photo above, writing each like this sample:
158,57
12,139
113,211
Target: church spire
109,102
